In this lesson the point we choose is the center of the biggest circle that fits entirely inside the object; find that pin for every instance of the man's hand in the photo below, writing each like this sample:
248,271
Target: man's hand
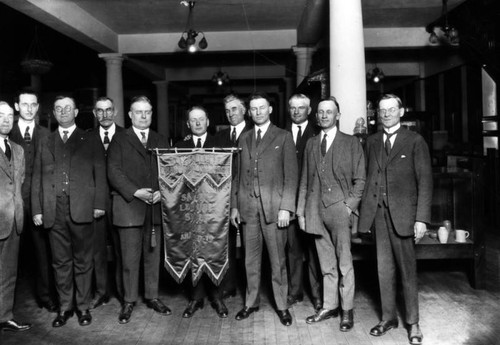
38,219
235,217
144,194
156,197
420,230
98,213
302,222
283,218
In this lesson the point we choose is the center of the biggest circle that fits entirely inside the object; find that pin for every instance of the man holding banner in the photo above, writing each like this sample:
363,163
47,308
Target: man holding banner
263,200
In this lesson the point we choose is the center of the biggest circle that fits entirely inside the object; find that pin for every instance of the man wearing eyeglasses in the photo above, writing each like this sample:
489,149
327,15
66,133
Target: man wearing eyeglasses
105,112
68,193
133,176
28,133
397,201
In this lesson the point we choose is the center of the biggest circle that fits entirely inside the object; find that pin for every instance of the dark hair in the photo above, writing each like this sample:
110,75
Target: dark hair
196,107
140,98
258,95
59,97
331,99
390,96
25,91
104,99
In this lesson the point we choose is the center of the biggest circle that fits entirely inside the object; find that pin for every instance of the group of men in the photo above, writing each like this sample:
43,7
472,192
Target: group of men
297,190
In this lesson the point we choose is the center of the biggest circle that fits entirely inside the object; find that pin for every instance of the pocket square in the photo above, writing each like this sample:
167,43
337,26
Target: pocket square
403,156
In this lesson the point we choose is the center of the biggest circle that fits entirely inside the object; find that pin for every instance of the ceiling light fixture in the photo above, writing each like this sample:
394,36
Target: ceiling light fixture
375,75
446,33
220,78
188,37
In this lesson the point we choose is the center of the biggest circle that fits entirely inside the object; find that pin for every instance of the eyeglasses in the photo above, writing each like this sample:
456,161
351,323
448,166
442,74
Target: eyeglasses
391,111
61,110
28,105
100,112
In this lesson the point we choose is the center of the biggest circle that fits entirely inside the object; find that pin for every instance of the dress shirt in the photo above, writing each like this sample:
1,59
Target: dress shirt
70,130
202,137
330,136
22,123
2,144
138,133
263,129
239,128
391,130
295,129
111,131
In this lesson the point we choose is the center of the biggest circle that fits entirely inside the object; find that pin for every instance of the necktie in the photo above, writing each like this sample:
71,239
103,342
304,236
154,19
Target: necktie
8,152
259,138
106,140
27,136
323,146
299,135
198,144
387,143
233,135
65,136
144,141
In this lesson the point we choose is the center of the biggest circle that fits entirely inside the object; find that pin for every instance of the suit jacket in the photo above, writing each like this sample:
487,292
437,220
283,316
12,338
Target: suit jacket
96,136
348,170
11,202
132,167
189,144
223,137
16,136
277,173
87,178
409,181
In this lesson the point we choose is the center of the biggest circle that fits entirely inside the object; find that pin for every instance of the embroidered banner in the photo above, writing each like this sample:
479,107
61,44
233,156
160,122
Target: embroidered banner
195,194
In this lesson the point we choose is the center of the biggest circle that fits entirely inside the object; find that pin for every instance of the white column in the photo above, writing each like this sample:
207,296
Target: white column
162,107
347,61
304,59
114,83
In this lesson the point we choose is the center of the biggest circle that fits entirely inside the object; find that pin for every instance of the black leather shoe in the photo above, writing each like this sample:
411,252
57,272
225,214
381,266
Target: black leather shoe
98,301
347,320
50,305
192,307
159,307
318,304
285,317
323,314
383,327
61,318
228,293
291,300
84,317
245,312
415,335
14,326
125,313
220,308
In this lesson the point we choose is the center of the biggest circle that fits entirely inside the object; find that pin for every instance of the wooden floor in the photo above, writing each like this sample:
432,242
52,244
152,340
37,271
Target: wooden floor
451,313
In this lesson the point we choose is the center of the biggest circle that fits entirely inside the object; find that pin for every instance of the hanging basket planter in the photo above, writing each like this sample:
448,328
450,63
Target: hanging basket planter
36,66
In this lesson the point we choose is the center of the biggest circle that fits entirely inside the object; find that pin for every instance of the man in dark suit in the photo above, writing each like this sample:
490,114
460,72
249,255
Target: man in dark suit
331,185
133,176
397,200
198,123
105,112
300,244
68,192
28,134
235,112
263,199
11,218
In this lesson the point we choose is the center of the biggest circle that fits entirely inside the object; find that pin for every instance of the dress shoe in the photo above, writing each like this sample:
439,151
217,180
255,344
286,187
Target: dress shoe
245,312
192,307
318,304
291,300
220,308
61,318
323,314
347,320
14,326
228,293
383,327
84,317
125,313
50,305
98,301
285,317
159,307
415,335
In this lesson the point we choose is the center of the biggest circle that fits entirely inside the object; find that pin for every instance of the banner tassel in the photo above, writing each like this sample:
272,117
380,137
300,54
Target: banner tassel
153,238
238,238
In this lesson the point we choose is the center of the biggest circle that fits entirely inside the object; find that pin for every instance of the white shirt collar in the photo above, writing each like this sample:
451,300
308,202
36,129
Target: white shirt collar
263,129
138,132
330,136
22,123
393,128
70,130
295,129
239,128
111,131
202,137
